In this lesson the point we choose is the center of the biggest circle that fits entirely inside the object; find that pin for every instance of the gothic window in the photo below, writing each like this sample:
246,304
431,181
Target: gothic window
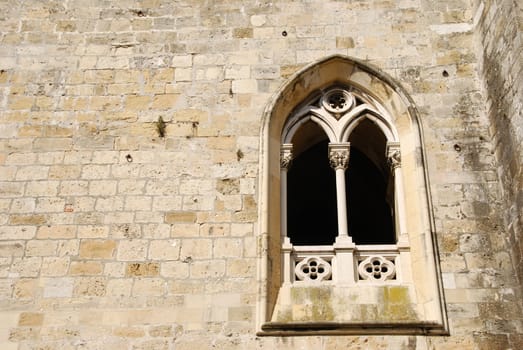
346,228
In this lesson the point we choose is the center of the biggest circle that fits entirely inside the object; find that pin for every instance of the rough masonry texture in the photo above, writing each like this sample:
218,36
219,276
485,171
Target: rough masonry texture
114,237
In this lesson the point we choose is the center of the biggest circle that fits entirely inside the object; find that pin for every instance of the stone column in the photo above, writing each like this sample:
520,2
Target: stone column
287,264
343,268
394,160
339,160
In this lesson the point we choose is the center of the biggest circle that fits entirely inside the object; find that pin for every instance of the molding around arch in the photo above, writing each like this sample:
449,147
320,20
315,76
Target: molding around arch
391,100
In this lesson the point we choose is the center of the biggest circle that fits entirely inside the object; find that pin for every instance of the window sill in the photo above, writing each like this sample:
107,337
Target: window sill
350,328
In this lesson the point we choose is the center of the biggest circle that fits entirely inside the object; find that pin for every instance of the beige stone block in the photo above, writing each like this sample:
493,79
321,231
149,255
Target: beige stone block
90,286
25,288
164,250
97,249
85,268
183,74
175,269
21,219
207,269
149,287
42,188
180,217
133,203
35,172
182,61
41,248
131,187
58,287
163,331
61,172
344,42
164,102
185,230
245,86
26,266
102,188
17,232
68,247
91,231
27,334
167,204
73,188
56,232
119,287
12,248
20,102
31,319
241,268
132,250
54,266
114,269
142,269
196,248
137,102
95,172
53,144
22,205
129,332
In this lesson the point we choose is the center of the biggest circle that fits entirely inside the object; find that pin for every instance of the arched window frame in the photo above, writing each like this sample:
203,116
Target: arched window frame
390,108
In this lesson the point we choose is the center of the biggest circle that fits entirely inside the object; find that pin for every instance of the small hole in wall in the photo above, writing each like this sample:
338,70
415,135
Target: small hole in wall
457,148
445,73
284,33
129,158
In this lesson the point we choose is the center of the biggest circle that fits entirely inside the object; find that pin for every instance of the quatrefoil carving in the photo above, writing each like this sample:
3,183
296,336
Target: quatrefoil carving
377,268
313,269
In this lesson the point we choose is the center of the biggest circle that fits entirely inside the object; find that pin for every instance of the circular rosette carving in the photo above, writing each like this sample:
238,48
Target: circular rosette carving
376,268
313,269
337,101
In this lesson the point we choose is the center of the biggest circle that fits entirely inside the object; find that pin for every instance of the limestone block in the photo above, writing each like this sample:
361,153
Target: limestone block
41,248
89,286
91,231
119,287
56,231
175,269
207,269
148,287
196,248
17,232
97,249
54,266
164,250
58,287
132,250
227,248
85,268
244,86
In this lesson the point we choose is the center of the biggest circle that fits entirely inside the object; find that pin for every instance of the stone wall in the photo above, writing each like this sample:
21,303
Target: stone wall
114,237
502,68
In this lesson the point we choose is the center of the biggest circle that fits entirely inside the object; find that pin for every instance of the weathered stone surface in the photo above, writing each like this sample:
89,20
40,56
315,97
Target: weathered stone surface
115,235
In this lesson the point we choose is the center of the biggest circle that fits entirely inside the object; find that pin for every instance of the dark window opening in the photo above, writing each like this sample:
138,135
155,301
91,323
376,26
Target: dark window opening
311,193
369,214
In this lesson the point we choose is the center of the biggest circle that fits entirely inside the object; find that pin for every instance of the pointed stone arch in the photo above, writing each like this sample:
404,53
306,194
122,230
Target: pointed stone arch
389,107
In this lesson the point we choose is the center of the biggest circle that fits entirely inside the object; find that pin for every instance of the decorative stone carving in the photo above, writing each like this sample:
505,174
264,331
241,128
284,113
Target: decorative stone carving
376,268
339,158
394,156
313,269
285,156
337,101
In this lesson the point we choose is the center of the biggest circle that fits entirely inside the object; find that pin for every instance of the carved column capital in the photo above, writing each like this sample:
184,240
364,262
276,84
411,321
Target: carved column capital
339,155
393,155
285,156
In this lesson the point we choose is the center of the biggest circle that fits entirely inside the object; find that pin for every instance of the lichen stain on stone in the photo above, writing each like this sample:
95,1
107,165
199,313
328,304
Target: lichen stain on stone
317,302
396,304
